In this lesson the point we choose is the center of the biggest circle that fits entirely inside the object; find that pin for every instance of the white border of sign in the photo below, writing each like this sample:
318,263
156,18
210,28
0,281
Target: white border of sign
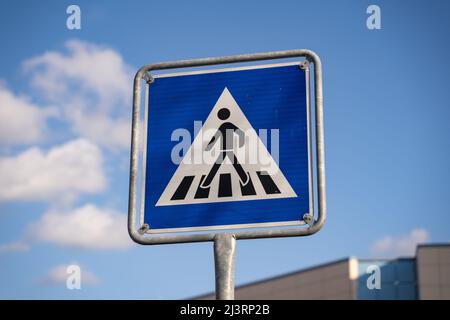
231,226
140,234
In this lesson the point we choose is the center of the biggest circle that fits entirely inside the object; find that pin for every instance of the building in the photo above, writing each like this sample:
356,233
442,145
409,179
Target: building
425,276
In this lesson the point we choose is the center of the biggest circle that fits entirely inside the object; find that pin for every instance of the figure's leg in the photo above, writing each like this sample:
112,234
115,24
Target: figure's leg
243,176
212,173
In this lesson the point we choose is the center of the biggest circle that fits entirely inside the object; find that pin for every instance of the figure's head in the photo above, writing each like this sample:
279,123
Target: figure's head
223,114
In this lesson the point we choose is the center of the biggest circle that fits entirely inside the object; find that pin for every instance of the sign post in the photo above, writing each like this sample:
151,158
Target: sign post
205,157
224,262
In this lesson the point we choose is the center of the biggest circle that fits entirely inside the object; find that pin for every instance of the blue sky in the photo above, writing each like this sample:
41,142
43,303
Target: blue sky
386,132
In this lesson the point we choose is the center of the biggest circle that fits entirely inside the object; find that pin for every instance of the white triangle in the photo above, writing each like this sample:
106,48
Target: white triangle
253,157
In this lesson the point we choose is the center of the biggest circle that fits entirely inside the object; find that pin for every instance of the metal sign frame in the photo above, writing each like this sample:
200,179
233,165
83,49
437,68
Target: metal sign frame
140,233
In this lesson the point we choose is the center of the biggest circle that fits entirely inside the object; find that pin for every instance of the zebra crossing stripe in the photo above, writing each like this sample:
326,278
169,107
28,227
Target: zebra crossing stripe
248,189
225,186
269,186
201,193
183,188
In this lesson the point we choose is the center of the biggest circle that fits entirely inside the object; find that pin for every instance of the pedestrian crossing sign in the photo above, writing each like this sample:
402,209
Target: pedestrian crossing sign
227,148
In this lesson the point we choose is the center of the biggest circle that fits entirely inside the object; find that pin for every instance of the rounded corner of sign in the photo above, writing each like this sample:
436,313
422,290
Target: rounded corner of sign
135,236
140,72
311,56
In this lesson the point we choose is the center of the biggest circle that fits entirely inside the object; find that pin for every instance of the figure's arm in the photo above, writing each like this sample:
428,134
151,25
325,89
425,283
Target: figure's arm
241,137
212,141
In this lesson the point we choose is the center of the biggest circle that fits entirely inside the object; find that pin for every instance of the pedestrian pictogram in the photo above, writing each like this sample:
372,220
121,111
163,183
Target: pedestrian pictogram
227,148
232,175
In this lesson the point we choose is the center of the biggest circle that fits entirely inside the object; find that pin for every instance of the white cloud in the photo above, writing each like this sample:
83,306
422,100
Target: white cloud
87,227
14,247
64,171
59,275
106,131
402,245
95,69
93,85
21,121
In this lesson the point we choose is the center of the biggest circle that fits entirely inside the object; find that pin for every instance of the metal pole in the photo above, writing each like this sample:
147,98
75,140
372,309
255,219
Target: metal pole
224,261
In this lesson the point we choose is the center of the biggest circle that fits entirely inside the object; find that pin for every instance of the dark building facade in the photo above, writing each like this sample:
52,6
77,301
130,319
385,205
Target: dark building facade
425,276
